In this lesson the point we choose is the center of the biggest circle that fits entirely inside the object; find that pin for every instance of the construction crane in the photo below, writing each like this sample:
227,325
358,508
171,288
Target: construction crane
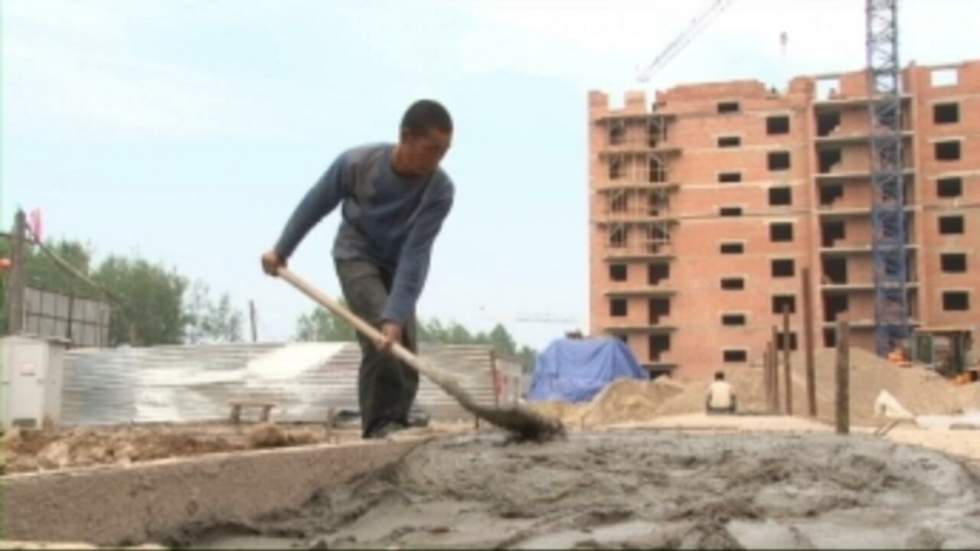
682,40
887,177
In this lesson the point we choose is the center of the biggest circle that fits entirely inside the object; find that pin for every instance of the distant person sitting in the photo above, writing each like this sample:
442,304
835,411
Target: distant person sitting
721,397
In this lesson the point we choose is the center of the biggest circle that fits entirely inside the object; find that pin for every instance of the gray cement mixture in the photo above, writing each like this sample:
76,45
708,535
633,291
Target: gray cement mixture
636,489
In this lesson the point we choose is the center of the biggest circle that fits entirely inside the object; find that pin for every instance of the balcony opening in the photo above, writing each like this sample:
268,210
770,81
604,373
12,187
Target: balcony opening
827,122
828,159
830,232
658,308
783,267
950,225
732,283
658,174
778,160
779,301
617,272
780,196
617,132
730,211
729,177
657,272
833,306
733,319
735,356
618,307
617,237
615,169
953,263
781,232
618,202
658,345
946,113
835,271
949,187
948,150
777,124
728,107
732,248
729,141
830,193
956,301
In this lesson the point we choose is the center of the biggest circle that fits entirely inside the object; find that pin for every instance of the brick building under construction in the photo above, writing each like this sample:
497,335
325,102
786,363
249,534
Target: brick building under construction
706,206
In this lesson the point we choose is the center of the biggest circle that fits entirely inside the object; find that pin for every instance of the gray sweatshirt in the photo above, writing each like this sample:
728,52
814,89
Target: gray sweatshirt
387,219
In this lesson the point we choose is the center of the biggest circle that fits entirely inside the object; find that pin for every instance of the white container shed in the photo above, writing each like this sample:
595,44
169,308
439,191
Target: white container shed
31,381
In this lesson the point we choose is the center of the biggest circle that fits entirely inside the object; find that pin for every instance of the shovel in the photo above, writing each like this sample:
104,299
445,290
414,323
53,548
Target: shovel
522,422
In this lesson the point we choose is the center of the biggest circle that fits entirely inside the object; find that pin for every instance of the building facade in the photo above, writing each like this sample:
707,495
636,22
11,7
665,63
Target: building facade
706,206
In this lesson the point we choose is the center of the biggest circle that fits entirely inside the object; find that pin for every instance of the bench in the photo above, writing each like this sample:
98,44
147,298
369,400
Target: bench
236,409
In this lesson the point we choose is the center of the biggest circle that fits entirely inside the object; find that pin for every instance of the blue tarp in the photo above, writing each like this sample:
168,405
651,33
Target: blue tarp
575,370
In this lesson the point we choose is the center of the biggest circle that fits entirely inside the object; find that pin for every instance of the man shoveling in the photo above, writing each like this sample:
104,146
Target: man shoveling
394,199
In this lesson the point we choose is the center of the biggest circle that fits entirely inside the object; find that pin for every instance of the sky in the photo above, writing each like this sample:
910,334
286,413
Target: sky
186,132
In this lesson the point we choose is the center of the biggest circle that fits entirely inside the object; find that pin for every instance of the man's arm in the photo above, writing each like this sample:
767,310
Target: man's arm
319,201
413,262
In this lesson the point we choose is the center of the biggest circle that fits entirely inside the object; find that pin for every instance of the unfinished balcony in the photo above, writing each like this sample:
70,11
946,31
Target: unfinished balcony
634,174
634,206
637,242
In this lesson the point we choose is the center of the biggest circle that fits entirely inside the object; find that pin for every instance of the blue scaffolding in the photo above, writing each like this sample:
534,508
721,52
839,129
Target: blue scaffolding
889,226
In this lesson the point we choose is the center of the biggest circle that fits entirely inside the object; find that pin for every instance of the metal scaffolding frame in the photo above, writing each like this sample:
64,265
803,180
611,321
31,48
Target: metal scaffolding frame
888,204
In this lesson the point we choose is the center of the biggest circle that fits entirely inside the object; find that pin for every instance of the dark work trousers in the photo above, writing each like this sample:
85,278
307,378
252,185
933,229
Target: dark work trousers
386,386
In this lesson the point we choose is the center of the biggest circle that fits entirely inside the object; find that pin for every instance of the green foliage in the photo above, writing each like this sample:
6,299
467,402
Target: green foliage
209,321
321,325
152,312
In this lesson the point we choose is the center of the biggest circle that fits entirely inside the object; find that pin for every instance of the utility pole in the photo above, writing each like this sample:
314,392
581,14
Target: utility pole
18,276
811,376
786,361
251,317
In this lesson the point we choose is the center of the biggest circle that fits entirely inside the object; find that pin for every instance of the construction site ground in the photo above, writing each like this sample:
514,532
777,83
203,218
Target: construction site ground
642,466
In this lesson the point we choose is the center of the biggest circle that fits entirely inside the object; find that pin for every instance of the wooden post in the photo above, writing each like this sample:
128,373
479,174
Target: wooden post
843,391
251,317
495,379
811,375
786,363
18,276
775,368
767,376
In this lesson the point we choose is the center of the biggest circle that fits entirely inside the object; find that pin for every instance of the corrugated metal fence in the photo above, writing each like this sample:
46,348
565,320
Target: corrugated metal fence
304,380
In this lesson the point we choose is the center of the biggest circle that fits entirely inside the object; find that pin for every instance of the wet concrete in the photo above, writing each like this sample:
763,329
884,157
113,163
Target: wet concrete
637,489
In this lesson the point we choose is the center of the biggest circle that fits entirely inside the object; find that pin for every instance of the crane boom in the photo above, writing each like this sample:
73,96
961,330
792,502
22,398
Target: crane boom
677,44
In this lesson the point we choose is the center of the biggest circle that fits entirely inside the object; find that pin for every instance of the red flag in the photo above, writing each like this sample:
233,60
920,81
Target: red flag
35,222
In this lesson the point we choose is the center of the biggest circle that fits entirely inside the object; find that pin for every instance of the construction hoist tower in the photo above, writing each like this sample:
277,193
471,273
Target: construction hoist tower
887,176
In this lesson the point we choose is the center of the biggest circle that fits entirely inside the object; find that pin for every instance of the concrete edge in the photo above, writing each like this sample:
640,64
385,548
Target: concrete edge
140,503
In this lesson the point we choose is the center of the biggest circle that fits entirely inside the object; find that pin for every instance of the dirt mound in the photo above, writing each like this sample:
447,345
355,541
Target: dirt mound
86,446
624,400
642,489
919,390
628,400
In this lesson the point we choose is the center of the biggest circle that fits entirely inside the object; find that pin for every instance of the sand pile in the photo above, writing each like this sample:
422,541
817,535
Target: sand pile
920,391
624,400
26,451
628,400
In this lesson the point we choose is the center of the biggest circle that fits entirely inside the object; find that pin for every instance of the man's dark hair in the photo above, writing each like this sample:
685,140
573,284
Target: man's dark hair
424,115
719,375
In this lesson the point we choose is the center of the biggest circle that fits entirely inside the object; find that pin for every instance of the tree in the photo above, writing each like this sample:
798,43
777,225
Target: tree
208,321
152,297
321,325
